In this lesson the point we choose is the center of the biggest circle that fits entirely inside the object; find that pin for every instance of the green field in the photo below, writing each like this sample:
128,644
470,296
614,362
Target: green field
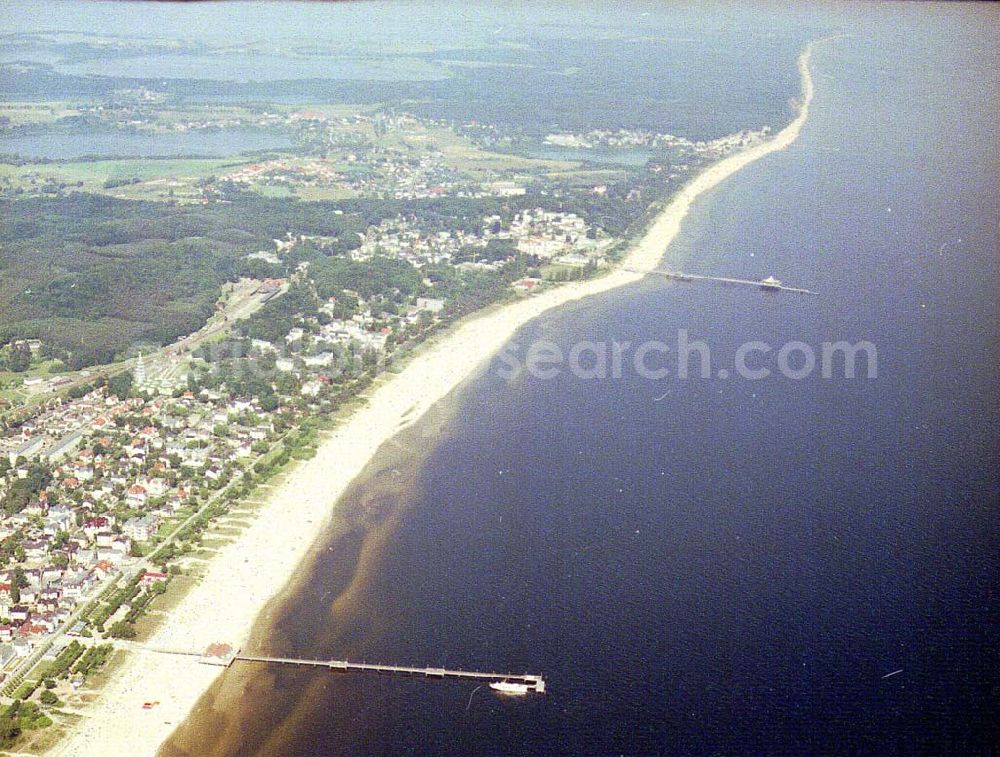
98,171
23,113
12,384
463,154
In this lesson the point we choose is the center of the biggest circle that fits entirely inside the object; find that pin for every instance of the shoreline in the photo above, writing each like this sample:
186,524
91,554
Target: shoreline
245,575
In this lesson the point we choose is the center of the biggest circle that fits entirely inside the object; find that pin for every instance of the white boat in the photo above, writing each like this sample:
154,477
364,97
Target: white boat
770,283
510,688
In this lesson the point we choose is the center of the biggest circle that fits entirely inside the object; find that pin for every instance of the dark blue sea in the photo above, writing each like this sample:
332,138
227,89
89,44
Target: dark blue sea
707,566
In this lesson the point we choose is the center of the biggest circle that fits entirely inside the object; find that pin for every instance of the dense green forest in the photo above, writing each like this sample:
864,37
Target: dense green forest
92,275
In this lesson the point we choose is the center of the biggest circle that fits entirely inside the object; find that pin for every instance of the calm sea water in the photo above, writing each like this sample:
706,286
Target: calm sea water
705,566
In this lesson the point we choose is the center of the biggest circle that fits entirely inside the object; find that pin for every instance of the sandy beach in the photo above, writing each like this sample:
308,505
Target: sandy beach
249,572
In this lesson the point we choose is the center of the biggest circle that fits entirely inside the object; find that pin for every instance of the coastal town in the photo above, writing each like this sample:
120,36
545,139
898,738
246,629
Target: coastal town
109,481
107,497
115,478
338,153
122,478
498,378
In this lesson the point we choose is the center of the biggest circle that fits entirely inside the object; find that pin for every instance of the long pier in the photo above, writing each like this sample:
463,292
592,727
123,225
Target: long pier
765,284
224,656
534,683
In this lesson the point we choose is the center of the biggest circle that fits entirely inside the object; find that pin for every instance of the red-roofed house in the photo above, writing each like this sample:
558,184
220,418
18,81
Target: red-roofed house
151,577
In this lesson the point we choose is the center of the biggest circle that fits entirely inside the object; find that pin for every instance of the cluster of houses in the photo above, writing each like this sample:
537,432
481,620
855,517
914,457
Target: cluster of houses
53,431
352,157
141,110
317,355
132,464
310,355
547,235
361,330
288,171
623,139
385,173
405,239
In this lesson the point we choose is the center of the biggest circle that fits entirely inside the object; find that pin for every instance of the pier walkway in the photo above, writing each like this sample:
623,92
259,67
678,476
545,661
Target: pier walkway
764,284
534,683
223,655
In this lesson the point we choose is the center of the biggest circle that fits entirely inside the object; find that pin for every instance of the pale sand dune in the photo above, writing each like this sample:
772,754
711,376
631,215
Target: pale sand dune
246,574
